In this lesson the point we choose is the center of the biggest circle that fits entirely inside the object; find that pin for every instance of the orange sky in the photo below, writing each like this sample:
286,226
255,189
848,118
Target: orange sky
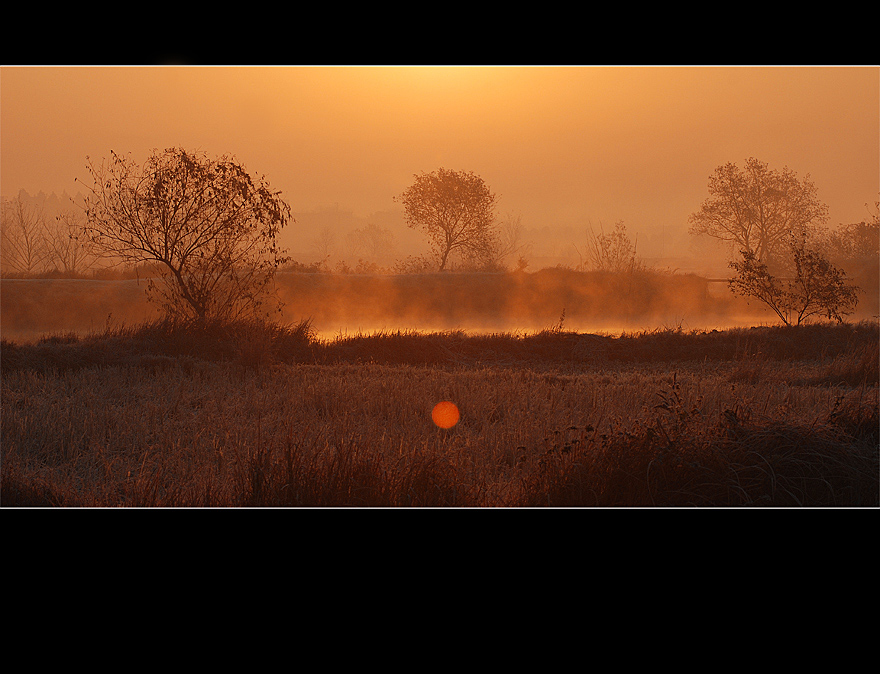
559,145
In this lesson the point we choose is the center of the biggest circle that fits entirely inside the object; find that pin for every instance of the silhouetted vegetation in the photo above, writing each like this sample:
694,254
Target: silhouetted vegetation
111,404
456,209
757,208
592,301
209,229
613,252
817,287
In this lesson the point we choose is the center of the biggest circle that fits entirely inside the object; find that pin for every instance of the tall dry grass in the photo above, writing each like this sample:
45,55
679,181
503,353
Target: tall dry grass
245,415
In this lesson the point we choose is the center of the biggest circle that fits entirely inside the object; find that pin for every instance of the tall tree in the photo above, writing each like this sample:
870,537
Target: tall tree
457,211
755,208
207,226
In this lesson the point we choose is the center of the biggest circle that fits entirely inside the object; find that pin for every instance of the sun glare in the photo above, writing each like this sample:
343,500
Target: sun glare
433,83
445,414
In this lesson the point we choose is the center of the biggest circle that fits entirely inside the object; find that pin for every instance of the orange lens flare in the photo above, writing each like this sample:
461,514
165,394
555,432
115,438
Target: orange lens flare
445,414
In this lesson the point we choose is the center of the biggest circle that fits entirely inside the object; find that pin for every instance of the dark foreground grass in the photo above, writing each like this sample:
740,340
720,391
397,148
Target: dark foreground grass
252,414
259,343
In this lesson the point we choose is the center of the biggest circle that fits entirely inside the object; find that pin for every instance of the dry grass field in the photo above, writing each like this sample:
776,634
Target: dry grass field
247,415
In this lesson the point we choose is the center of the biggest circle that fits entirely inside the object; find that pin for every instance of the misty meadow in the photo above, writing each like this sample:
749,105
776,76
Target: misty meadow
241,415
162,347
128,408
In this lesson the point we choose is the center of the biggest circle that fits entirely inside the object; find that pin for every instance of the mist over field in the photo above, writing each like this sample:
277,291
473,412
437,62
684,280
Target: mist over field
496,286
567,150
349,281
340,304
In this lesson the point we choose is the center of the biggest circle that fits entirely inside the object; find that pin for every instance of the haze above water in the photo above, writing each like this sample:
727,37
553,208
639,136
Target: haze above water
563,147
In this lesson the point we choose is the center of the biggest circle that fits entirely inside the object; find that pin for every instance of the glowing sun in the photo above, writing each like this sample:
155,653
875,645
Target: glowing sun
445,414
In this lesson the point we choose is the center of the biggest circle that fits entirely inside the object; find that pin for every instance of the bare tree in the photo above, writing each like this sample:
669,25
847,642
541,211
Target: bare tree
457,211
23,247
372,242
205,223
509,242
755,208
612,252
324,244
817,287
69,249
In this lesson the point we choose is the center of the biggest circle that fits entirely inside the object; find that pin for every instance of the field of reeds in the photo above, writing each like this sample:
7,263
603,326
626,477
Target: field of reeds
258,414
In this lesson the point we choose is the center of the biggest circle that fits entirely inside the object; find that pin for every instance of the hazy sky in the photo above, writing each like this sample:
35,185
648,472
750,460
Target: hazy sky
559,145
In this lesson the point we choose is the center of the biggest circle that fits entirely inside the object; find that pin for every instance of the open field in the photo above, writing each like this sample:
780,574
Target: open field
267,415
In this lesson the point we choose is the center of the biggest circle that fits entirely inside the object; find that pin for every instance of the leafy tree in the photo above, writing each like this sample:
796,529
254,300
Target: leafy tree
755,208
457,211
205,223
856,241
817,287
